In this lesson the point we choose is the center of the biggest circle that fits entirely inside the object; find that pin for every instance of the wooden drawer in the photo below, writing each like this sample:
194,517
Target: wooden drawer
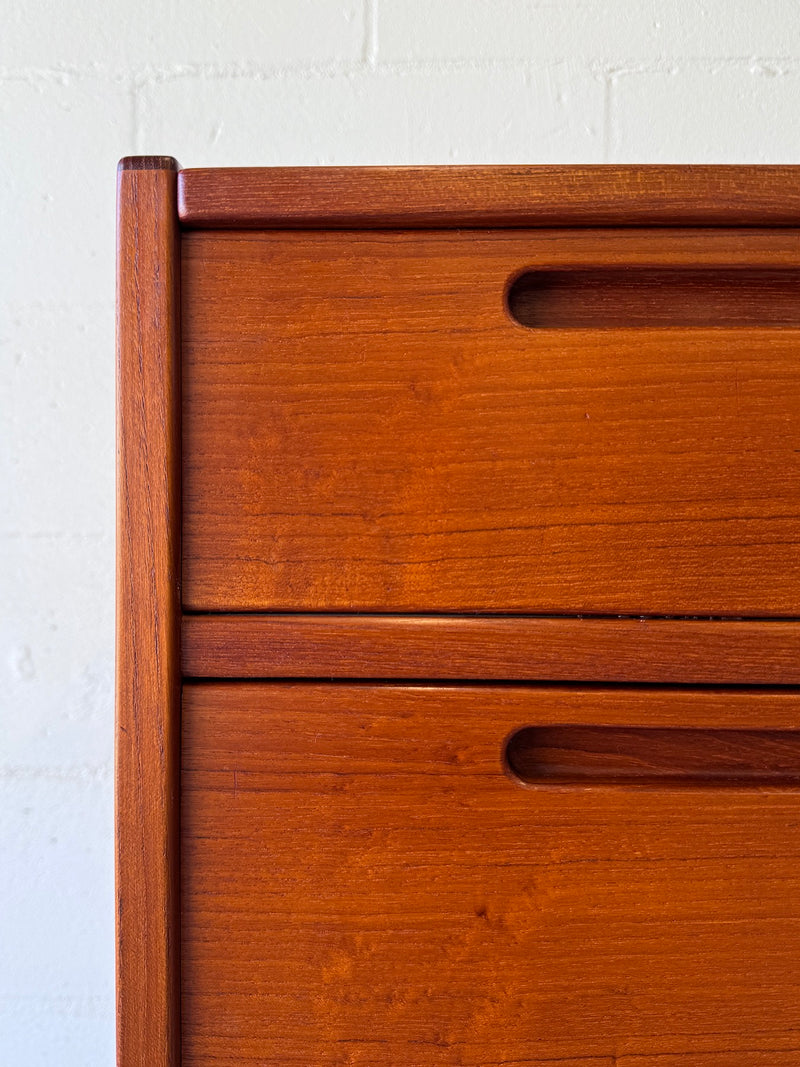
364,883
366,427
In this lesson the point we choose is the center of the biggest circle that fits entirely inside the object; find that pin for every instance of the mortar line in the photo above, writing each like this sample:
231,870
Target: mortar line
134,113
608,85
370,48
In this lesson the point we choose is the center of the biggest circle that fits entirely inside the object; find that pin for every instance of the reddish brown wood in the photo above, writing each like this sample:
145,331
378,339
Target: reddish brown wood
554,649
364,197
364,884
609,297
363,878
366,428
645,757
148,617
147,163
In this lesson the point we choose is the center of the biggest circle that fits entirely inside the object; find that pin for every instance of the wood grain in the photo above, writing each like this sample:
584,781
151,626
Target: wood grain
365,428
363,197
699,651
604,298
637,756
148,163
148,618
364,884
414,485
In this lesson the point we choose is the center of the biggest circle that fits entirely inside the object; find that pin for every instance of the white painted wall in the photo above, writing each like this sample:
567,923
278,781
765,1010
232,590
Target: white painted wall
227,82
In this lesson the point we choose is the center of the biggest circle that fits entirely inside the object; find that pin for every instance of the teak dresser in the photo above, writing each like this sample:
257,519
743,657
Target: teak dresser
458,617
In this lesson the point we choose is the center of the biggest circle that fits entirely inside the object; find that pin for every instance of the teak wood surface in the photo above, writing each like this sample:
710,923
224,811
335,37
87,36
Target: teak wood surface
366,428
148,616
400,899
530,431
699,651
433,197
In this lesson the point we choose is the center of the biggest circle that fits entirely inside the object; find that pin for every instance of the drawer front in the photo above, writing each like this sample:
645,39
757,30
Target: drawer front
366,427
366,881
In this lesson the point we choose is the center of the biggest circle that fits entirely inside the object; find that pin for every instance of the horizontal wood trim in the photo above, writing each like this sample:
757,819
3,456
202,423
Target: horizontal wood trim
489,196
555,649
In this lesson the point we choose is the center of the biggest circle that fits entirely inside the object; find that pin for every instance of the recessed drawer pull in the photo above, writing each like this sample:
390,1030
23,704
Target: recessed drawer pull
615,298
612,755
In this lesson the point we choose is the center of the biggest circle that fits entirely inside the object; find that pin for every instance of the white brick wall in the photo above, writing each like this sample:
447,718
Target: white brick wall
248,82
